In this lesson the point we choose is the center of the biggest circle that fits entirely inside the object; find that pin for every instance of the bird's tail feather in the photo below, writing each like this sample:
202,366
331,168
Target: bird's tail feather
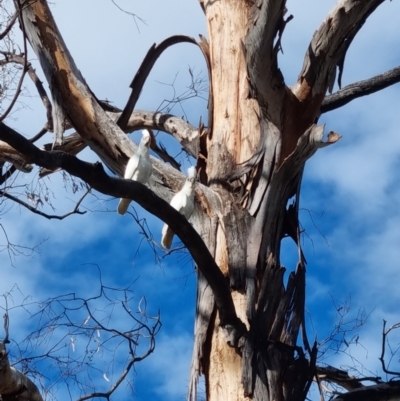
167,236
123,205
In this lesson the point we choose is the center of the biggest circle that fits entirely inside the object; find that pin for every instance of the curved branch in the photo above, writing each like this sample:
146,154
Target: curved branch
144,70
95,176
329,45
359,89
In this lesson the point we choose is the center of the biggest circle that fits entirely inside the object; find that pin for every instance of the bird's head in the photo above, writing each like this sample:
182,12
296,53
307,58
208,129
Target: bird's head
191,175
146,138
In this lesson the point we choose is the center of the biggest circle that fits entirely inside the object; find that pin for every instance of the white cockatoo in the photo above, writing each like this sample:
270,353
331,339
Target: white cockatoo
138,168
183,202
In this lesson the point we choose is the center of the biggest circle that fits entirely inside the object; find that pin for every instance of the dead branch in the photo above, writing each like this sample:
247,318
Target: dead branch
184,132
33,209
380,392
382,357
329,44
144,70
4,177
161,151
359,89
341,377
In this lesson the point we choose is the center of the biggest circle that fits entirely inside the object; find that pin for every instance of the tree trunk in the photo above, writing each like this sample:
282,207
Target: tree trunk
260,135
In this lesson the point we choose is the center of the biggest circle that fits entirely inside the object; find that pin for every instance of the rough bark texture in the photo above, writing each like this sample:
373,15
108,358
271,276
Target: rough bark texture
262,134
250,161
14,385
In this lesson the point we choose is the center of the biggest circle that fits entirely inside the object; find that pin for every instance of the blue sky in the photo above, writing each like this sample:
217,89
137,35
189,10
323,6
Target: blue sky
349,206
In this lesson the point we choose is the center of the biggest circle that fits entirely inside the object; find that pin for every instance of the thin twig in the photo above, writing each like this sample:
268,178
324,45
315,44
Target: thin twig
382,357
21,80
47,216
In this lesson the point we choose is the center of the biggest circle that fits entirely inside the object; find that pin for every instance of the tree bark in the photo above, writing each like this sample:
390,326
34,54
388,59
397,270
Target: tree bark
14,385
253,156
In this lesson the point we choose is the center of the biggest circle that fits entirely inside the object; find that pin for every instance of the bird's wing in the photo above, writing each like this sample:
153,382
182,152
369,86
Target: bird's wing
143,170
178,202
189,207
131,167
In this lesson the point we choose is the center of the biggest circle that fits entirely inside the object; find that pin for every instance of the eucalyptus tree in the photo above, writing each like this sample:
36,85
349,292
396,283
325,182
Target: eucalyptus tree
249,158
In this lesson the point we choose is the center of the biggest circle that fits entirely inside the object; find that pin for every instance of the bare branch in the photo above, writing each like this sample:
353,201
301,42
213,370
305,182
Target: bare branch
161,151
131,14
382,357
33,209
359,89
340,377
144,70
72,330
329,45
385,391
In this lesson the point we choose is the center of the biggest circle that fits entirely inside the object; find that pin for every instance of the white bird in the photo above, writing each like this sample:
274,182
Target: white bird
138,168
183,202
